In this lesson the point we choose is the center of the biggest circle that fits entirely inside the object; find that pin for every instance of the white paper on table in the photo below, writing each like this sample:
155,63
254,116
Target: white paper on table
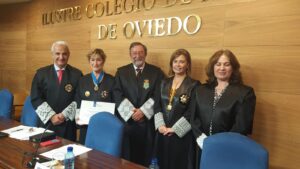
53,164
22,132
89,108
41,166
77,150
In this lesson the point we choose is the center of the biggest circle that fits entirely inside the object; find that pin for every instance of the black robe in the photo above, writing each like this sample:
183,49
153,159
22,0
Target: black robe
234,111
174,152
46,88
138,137
85,91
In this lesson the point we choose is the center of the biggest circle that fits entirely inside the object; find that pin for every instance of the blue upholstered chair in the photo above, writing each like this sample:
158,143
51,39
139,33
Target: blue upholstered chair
233,151
105,132
29,116
6,103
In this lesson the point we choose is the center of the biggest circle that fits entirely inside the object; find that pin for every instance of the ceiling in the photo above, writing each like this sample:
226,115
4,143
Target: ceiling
12,1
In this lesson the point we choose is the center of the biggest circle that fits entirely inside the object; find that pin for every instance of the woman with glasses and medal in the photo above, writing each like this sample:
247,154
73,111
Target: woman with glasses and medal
95,86
175,144
224,103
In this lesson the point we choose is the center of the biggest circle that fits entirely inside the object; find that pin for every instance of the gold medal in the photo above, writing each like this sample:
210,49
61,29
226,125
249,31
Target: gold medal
96,88
68,88
169,107
87,93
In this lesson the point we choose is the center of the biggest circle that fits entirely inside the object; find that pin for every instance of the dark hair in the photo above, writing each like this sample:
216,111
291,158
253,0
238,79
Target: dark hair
98,52
133,44
236,76
176,54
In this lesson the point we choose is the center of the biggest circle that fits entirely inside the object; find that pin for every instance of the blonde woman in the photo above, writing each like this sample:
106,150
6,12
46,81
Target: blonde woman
95,86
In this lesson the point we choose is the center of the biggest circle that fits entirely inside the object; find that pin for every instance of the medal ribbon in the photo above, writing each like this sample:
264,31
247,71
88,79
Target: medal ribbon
95,80
172,94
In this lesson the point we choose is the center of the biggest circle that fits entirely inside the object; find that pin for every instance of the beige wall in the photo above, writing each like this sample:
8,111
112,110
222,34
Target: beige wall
264,34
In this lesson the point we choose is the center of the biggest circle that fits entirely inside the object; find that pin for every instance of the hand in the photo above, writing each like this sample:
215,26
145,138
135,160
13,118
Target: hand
77,120
77,116
61,117
55,120
138,115
162,129
168,132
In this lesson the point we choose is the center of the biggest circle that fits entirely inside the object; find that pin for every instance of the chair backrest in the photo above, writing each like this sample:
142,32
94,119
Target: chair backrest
19,100
233,151
105,133
29,116
6,102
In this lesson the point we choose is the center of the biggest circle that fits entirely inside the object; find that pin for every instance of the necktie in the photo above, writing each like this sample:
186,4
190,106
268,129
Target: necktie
138,80
138,73
60,74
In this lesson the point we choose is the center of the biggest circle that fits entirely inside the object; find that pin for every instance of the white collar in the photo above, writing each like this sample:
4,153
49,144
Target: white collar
57,68
142,67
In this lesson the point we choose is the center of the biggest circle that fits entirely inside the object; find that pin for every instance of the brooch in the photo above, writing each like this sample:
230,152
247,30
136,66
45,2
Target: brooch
183,98
68,88
146,84
104,94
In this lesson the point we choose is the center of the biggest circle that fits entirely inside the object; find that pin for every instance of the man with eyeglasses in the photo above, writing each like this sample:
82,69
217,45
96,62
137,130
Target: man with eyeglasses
136,88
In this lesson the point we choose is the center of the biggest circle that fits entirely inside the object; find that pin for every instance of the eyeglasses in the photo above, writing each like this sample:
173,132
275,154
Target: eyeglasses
137,53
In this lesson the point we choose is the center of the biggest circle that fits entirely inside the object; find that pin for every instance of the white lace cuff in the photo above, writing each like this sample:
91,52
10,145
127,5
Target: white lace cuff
147,108
126,109
181,127
159,120
200,140
45,112
70,111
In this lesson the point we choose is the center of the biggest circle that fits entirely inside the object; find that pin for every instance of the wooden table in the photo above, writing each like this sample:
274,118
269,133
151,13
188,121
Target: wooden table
12,153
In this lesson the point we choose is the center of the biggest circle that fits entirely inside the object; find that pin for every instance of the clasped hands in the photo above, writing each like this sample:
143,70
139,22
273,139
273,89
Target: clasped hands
137,115
166,131
57,119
